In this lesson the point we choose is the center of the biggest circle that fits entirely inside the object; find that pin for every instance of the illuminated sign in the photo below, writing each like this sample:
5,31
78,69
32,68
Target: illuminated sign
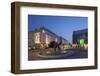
82,42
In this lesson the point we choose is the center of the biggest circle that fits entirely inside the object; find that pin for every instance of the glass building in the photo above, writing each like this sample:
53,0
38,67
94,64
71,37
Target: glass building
80,34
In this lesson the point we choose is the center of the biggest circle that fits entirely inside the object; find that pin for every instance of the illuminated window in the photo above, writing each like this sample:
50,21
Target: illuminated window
47,39
43,31
56,39
37,37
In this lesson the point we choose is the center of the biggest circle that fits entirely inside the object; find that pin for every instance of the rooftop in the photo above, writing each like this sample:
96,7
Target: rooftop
80,31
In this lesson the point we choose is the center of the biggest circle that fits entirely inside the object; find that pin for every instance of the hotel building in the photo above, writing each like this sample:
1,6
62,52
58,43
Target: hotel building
41,38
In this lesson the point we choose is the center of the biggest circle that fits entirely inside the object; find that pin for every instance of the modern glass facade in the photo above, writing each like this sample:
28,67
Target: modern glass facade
79,35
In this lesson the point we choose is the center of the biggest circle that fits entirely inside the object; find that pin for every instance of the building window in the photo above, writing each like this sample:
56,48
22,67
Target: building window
37,37
43,31
47,39
56,40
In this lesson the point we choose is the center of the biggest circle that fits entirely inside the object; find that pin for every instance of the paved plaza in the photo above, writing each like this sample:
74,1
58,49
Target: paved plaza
69,54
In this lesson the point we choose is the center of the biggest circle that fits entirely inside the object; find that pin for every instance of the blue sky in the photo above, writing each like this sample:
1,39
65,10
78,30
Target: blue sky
61,25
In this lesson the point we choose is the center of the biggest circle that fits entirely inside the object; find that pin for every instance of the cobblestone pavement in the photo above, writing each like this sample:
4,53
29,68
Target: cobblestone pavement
33,54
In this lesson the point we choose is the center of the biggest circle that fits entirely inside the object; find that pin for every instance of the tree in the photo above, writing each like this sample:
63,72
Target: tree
55,46
52,44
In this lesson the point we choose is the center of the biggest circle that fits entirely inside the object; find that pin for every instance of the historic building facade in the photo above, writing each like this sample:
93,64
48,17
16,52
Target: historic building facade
41,38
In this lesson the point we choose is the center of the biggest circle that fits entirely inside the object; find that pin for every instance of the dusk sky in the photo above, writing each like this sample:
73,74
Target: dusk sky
60,25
